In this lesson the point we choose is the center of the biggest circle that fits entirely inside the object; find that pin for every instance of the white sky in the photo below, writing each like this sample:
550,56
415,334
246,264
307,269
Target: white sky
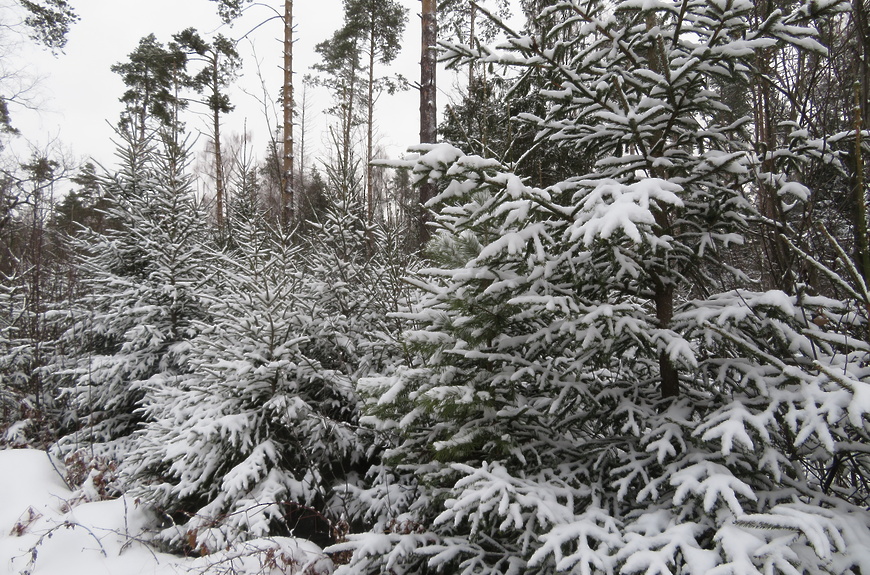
79,94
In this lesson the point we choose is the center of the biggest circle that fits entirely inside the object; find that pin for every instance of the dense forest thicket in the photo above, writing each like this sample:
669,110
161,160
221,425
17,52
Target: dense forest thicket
636,338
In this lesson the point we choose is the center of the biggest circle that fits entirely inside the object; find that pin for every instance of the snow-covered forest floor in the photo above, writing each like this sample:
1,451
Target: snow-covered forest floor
47,529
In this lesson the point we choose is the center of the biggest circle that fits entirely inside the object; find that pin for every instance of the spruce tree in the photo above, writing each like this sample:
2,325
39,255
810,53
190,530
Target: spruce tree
15,362
356,276
35,272
253,440
261,438
596,388
142,278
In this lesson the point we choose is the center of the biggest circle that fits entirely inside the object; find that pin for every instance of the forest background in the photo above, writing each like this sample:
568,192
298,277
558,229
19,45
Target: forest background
626,331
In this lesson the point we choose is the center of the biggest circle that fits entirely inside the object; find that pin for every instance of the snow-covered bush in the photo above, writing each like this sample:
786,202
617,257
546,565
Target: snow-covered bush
46,528
591,394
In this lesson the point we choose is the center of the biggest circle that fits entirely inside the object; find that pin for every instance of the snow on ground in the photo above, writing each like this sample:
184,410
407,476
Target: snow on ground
41,535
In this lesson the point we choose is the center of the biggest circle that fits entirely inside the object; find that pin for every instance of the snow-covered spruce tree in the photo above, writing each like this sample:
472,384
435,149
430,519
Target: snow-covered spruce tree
142,278
589,396
34,273
15,359
29,414
252,442
355,277
356,284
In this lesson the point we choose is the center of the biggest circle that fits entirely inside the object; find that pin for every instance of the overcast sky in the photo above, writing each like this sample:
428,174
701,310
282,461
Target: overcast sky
79,94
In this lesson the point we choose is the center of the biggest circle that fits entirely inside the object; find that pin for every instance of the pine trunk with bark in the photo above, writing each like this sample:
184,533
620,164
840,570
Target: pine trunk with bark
862,92
218,156
287,102
370,121
428,119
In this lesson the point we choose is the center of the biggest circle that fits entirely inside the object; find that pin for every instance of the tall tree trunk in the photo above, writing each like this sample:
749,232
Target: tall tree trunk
862,79
370,125
428,119
35,298
218,170
779,267
347,145
218,156
143,113
370,121
471,42
287,103
302,196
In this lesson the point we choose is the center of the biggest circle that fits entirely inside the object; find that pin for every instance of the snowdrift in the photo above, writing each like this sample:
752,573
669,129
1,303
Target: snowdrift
44,532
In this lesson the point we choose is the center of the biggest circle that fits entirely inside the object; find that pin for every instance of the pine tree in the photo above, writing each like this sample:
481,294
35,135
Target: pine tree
596,389
221,62
49,21
154,75
378,24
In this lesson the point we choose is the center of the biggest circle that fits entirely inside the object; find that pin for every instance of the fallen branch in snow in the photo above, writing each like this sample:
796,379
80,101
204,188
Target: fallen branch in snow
34,550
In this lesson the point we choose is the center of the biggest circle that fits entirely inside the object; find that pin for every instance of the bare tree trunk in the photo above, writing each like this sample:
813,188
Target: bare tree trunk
287,210
428,119
302,197
370,121
347,145
471,42
218,156
779,267
143,115
218,171
370,129
862,245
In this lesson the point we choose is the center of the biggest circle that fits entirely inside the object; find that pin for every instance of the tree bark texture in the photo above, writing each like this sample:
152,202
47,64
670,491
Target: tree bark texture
218,156
779,264
287,102
370,125
428,119
862,79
